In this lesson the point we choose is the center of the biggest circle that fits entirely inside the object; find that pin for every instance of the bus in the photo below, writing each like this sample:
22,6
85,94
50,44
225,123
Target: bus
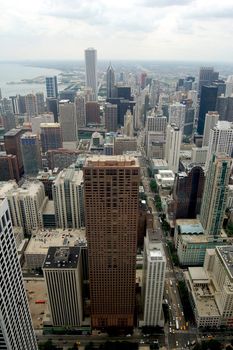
177,324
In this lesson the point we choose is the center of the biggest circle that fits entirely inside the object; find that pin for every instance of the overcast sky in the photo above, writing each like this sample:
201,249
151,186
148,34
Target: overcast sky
118,29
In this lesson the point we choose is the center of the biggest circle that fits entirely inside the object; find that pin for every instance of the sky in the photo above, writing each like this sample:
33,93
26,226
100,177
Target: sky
187,30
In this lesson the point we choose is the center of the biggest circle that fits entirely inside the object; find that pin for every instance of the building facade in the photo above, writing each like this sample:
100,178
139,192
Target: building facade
50,136
215,194
31,154
62,271
91,70
68,198
111,216
154,268
16,330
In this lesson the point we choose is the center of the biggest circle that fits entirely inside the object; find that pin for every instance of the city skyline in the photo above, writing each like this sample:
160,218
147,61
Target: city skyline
177,27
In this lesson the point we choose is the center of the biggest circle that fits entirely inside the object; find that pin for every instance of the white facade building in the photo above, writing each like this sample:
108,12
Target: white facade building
154,268
211,119
199,155
91,70
229,86
26,205
221,140
68,198
177,114
211,288
172,149
62,271
16,330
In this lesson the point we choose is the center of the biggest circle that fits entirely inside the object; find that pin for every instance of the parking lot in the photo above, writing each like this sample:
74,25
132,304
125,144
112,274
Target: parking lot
36,292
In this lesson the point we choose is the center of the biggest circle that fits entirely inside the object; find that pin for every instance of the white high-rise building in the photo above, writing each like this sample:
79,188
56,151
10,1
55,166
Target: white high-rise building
156,123
229,86
68,198
172,149
16,330
220,140
154,268
177,114
62,271
214,200
26,205
91,70
128,124
211,119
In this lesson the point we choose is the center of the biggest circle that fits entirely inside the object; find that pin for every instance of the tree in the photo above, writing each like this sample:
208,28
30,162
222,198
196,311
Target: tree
153,186
89,346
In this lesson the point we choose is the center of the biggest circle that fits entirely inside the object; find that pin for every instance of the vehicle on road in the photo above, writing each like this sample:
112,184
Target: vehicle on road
171,283
177,324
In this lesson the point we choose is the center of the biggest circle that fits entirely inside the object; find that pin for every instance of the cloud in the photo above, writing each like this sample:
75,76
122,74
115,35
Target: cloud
211,13
165,3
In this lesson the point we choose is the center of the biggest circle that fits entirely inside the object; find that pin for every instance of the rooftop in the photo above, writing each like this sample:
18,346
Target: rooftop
50,125
6,186
111,161
42,240
198,274
13,132
62,258
226,255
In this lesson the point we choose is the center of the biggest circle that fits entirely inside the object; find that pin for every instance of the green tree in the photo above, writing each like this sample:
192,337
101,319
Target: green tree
153,186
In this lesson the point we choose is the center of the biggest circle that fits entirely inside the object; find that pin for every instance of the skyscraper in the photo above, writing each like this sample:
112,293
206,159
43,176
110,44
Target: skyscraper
172,148
68,121
62,271
220,140
110,81
51,86
80,110
177,114
40,106
206,76
31,107
188,192
91,70
31,154
68,198
111,216
92,113
9,167
215,194
13,146
110,117
154,268
207,103
211,120
50,136
16,330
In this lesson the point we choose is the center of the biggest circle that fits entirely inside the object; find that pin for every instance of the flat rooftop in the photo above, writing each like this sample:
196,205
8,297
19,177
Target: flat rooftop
62,258
42,240
13,132
111,161
226,255
49,208
189,226
6,186
198,274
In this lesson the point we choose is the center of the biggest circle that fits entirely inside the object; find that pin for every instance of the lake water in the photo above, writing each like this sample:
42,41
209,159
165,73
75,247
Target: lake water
15,72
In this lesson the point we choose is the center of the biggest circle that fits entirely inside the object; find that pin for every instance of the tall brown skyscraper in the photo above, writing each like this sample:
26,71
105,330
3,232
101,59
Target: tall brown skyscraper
12,146
111,201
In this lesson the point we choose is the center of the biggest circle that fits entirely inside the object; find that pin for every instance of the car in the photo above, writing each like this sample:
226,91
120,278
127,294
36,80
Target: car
170,330
177,344
141,341
128,335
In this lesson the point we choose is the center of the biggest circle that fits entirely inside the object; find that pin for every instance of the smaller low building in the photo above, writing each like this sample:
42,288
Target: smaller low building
205,308
42,240
158,164
165,178
191,242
